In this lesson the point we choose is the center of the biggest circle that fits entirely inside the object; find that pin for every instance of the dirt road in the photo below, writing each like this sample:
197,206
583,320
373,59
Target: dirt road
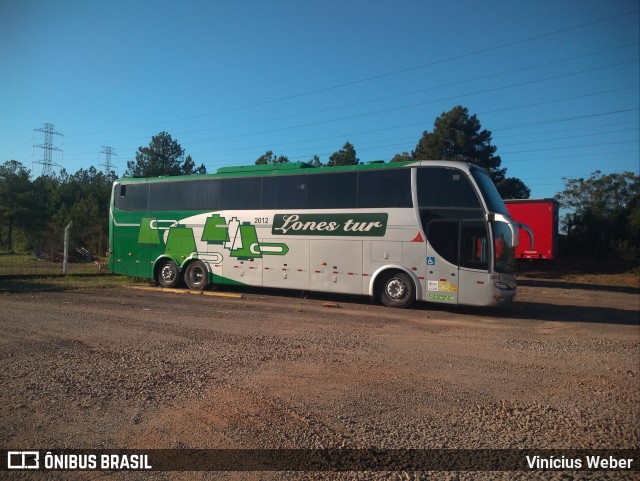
129,368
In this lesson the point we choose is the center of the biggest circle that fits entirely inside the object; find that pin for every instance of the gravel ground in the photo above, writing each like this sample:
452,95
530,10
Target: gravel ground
129,368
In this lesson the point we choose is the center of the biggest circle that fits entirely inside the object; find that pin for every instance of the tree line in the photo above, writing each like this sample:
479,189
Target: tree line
603,213
34,212
603,210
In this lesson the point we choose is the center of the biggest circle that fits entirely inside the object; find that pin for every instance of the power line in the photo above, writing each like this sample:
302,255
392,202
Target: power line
581,128
475,79
570,147
374,77
399,141
573,156
450,84
423,103
320,122
410,106
365,102
554,101
591,134
564,119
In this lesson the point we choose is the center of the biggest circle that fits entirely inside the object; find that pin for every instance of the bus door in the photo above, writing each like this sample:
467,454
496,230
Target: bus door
125,251
475,252
443,239
458,255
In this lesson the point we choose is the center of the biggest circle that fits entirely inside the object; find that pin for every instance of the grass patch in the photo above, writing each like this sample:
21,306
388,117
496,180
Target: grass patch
25,273
27,264
57,283
587,271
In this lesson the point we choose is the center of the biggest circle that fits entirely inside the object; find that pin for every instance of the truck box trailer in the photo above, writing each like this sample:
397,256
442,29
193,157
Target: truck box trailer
541,215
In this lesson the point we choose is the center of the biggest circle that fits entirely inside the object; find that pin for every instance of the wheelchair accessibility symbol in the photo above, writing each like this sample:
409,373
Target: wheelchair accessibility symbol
431,261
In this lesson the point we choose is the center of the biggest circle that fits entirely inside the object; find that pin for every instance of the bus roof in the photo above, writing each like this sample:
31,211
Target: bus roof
294,168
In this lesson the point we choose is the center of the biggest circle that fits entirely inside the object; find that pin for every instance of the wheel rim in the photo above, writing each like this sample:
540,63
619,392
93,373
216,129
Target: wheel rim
396,289
196,275
168,273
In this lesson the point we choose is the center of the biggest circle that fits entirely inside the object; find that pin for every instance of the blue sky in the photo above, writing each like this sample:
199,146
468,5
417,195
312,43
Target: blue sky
556,82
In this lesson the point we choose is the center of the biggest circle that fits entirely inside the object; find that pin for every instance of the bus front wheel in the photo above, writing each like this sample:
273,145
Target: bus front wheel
168,274
196,276
397,290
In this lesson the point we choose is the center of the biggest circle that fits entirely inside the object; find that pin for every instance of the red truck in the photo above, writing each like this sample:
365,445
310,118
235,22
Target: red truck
541,215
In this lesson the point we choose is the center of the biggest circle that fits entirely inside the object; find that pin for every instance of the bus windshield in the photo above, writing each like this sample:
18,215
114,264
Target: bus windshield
489,191
504,251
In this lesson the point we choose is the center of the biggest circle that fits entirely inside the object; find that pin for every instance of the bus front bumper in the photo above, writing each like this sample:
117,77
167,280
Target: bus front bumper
503,293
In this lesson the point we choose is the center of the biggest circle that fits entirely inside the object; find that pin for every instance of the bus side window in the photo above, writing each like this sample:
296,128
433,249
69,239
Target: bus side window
201,194
284,192
165,195
384,188
241,193
332,191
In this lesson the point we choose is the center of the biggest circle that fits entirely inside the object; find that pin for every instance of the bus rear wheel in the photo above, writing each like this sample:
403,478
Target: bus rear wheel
168,274
397,290
196,276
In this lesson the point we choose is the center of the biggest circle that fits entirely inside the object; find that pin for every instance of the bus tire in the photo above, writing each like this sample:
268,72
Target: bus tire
196,276
168,274
397,290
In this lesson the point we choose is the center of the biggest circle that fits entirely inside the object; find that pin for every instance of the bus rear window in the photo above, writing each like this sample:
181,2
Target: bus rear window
132,197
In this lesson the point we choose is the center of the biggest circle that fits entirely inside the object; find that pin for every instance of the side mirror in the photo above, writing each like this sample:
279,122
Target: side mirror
513,226
528,230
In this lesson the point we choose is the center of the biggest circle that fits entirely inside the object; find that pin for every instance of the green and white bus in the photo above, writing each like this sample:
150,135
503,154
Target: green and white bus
400,232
